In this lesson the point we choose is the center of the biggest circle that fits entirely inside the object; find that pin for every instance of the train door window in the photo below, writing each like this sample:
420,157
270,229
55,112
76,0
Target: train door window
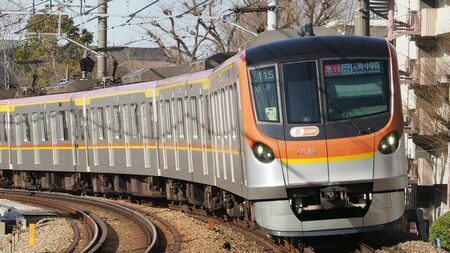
117,122
26,128
162,131
43,120
18,137
101,123
220,114
54,137
72,120
5,138
226,111
207,117
150,121
108,123
10,128
34,127
168,123
64,131
18,126
214,113
223,123
180,118
81,124
134,121
144,121
194,116
234,109
4,126
93,124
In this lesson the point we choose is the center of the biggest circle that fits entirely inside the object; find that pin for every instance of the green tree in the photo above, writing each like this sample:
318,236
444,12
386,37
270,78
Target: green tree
41,55
440,229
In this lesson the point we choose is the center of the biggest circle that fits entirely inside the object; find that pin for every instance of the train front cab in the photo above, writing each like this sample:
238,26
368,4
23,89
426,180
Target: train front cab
325,154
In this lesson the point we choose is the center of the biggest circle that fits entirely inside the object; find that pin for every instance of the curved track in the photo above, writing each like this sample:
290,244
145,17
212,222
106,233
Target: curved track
137,233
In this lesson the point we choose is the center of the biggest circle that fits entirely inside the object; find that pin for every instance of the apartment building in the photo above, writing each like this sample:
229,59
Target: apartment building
421,34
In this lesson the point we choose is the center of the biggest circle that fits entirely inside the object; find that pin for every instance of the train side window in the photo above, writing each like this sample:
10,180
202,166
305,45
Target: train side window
43,120
180,118
134,121
64,131
117,122
194,116
101,123
26,128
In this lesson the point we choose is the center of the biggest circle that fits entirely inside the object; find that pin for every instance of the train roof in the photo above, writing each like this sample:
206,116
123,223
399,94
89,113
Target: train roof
316,47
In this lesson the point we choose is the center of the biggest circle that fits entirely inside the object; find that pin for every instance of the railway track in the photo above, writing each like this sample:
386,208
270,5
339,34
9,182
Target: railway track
159,234
255,235
110,227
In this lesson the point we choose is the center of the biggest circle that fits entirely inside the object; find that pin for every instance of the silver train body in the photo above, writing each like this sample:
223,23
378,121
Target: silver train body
197,138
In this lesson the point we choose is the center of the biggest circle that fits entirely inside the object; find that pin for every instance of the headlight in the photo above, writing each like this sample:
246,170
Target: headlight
263,153
389,143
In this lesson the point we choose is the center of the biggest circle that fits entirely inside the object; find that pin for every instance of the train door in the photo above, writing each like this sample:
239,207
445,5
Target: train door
180,120
305,151
196,166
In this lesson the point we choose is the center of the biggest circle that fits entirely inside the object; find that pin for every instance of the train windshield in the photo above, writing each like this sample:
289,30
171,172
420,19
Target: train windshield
300,87
356,88
265,95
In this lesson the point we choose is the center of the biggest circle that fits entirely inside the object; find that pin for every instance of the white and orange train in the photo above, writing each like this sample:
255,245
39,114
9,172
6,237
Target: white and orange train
302,136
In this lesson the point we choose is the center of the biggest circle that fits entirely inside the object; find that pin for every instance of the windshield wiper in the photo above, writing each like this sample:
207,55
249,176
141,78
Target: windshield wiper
355,124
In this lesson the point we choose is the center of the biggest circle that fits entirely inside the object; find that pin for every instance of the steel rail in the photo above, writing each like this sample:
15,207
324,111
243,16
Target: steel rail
100,231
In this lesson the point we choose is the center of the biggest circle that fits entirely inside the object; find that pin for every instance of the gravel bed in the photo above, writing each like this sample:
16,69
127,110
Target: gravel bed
399,241
51,235
195,235
412,247
19,206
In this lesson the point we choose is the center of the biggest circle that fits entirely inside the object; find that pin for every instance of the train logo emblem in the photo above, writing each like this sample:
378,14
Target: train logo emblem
306,131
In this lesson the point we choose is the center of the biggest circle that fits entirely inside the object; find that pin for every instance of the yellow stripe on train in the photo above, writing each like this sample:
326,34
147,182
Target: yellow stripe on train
329,159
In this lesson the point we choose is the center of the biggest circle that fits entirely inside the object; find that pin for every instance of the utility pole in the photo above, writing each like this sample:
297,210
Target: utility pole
101,39
272,15
391,21
365,22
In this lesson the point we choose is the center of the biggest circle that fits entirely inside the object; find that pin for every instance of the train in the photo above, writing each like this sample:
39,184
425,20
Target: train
300,137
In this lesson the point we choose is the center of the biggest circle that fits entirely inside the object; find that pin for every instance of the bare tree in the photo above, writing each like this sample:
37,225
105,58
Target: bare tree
199,27
9,77
433,104
185,44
